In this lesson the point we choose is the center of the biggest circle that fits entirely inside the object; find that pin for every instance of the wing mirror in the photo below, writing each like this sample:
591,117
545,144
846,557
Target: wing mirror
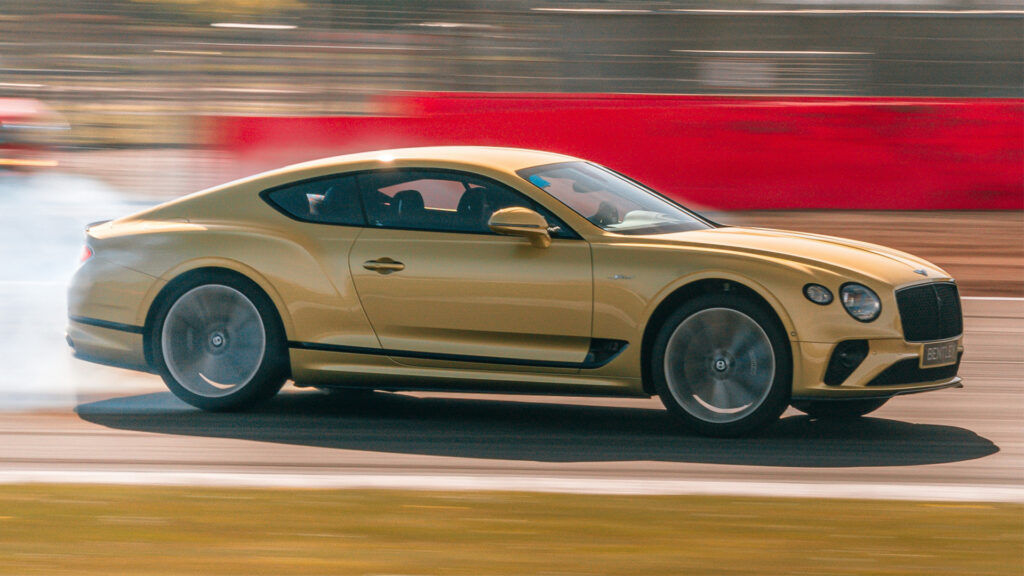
519,221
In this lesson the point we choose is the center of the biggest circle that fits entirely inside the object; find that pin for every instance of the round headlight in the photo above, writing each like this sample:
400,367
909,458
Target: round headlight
818,294
860,301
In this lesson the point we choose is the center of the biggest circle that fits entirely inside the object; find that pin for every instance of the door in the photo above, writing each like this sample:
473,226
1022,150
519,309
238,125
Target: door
436,284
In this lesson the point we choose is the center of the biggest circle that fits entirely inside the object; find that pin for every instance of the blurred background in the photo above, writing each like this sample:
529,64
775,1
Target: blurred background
143,74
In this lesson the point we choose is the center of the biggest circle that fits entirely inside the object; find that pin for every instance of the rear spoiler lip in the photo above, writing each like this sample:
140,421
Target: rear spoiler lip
96,223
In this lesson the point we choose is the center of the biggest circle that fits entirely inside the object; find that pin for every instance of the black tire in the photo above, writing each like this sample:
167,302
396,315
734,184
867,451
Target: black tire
218,343
839,409
729,369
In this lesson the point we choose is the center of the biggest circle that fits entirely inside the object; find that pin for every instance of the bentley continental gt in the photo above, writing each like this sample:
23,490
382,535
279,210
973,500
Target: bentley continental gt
505,270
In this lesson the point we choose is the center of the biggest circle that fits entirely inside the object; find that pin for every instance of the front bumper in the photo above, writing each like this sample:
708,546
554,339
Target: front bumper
869,379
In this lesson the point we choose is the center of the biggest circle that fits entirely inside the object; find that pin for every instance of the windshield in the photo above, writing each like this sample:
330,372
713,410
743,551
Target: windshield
612,201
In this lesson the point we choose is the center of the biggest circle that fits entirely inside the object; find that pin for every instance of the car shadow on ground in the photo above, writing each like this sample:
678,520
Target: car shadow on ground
538,431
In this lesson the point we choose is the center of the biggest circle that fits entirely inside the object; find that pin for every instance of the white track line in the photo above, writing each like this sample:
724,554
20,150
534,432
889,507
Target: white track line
993,298
623,486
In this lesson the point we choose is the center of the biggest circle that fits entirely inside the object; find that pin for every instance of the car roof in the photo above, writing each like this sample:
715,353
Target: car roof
504,159
471,158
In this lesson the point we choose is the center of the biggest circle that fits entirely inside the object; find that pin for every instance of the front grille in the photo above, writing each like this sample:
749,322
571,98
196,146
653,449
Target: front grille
909,372
930,312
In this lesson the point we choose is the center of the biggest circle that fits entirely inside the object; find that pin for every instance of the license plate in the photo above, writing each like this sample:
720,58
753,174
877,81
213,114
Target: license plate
938,354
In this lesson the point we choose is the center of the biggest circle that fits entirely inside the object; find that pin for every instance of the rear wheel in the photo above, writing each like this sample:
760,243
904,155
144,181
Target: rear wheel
839,409
722,365
218,343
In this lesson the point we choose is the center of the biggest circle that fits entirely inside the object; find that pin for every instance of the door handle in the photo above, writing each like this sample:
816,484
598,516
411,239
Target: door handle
383,265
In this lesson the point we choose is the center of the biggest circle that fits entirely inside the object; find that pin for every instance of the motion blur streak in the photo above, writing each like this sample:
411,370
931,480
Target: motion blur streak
874,11
729,153
150,60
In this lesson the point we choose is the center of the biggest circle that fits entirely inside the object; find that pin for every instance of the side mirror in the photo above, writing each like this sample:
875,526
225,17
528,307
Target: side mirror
519,221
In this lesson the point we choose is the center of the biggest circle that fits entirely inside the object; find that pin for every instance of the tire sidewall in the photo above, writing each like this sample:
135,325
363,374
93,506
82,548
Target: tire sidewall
272,372
780,390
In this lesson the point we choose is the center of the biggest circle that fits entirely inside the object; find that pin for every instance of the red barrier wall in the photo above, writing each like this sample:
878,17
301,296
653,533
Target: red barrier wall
717,152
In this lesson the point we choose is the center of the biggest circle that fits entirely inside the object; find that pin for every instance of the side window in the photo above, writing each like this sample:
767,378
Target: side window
442,201
330,200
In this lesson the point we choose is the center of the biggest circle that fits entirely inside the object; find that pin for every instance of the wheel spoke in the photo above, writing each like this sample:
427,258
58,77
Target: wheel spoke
204,309
191,315
742,342
239,323
720,397
744,391
703,388
213,371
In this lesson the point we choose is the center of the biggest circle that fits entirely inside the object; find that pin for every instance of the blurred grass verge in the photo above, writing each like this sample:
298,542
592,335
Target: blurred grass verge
156,530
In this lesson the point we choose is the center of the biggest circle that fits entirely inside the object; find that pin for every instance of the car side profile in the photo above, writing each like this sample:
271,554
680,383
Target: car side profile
505,270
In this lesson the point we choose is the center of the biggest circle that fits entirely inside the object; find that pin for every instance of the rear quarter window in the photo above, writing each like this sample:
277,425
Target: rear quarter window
330,200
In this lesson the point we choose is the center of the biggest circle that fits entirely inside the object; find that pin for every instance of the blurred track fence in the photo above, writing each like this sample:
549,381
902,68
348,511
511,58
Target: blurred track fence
724,153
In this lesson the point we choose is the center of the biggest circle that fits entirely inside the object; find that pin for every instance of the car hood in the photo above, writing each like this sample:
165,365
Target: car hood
838,254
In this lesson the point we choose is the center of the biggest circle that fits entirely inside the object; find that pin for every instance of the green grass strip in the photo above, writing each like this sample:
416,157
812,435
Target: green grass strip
86,530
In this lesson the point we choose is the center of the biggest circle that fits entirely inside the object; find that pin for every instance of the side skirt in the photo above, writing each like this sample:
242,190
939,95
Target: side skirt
602,351
328,369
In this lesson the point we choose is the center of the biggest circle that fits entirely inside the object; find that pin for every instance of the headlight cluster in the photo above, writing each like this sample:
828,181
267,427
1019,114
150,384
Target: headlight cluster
859,301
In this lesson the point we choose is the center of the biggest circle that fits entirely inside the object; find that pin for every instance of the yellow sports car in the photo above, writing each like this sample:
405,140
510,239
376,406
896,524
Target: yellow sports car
497,269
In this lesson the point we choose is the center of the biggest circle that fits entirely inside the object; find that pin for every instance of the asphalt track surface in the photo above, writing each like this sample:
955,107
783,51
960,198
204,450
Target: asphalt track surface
64,420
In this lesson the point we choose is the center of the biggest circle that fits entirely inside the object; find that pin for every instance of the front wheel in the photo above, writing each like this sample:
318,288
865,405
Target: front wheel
839,409
218,344
721,363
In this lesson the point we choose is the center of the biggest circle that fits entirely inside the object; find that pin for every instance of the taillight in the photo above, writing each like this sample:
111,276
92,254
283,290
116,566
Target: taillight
86,254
